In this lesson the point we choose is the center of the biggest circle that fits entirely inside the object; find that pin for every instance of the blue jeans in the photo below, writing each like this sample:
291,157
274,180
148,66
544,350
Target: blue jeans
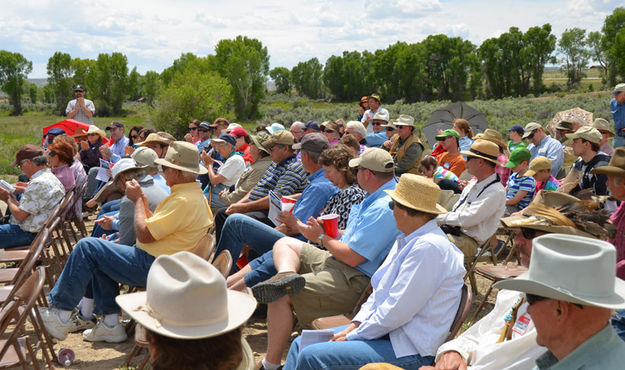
211,192
618,323
262,269
618,141
98,231
240,229
13,236
109,207
349,355
104,265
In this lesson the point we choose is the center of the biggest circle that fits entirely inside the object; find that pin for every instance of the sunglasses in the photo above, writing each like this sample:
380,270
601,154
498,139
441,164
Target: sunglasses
391,205
531,298
192,128
93,135
377,123
531,136
328,131
52,154
390,129
134,136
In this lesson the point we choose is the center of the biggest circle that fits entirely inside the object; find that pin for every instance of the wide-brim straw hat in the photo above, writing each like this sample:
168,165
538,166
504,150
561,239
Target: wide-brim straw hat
571,268
495,137
182,156
186,298
417,192
616,167
93,129
487,150
155,138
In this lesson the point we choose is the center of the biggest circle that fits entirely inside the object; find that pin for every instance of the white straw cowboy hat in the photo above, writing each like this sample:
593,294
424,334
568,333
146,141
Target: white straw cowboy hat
186,298
182,156
93,129
417,192
574,269
404,120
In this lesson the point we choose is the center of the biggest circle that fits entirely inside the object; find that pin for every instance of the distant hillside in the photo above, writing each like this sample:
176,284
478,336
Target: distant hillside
40,82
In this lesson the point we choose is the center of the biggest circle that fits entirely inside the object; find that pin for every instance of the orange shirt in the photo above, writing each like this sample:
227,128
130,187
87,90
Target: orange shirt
452,162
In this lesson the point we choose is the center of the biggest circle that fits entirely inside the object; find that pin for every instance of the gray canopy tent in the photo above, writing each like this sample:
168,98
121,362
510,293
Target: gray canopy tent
443,119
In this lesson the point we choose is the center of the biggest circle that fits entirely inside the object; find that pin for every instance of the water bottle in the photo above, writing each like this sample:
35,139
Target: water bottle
66,357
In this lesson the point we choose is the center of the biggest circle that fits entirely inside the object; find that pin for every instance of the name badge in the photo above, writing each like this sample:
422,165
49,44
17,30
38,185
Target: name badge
447,165
520,326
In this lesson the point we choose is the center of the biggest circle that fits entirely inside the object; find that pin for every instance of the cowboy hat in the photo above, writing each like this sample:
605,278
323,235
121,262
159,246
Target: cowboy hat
182,156
186,298
487,150
417,192
404,120
616,167
571,268
93,129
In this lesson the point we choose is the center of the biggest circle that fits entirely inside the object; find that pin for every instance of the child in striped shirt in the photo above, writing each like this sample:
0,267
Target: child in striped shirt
520,189
444,178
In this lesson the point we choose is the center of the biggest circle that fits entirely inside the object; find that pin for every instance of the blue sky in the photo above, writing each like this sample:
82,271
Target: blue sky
152,34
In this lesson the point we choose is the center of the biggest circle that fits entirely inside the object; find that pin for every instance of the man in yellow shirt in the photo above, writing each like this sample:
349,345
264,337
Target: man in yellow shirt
96,267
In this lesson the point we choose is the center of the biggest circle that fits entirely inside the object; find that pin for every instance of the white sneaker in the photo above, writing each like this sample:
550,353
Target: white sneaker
101,332
53,323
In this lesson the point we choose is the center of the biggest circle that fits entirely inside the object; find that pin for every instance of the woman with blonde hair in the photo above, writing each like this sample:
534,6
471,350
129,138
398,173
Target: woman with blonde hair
466,133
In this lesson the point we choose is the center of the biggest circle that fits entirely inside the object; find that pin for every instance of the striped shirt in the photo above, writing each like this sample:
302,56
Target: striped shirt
285,178
442,173
517,183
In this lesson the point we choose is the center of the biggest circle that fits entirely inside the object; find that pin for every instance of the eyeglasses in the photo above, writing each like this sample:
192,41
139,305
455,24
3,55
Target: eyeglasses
52,154
390,129
531,136
328,131
531,298
192,128
133,137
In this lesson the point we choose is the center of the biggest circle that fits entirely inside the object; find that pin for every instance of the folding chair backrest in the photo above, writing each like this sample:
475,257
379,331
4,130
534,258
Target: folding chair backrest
223,262
28,264
67,204
204,248
461,314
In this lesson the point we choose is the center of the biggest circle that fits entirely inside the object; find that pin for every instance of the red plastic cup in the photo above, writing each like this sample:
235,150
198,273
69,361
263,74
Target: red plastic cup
288,204
331,225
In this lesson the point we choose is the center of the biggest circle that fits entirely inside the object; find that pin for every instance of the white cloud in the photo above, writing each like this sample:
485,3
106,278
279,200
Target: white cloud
153,34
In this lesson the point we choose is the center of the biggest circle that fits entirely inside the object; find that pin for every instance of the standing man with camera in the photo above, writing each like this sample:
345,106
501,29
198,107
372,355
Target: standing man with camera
80,109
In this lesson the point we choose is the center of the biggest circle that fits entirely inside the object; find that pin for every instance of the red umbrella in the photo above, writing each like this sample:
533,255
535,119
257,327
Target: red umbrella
70,127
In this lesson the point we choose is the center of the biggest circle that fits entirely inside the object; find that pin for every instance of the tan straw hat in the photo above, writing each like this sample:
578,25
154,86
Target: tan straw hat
404,120
374,159
571,268
93,129
182,156
616,167
495,137
186,298
155,138
487,150
417,192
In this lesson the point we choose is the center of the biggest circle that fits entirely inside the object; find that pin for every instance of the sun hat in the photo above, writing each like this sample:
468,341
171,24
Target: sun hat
93,129
616,167
122,166
517,128
226,138
619,89
558,212
154,138
587,133
258,140
484,149
144,156
28,151
538,164
283,137
564,125
275,127
417,192
517,156
186,298
374,159
114,124
603,126
182,156
531,127
375,96
571,268
239,131
312,125
330,125
404,120
494,136
315,142
381,116
447,133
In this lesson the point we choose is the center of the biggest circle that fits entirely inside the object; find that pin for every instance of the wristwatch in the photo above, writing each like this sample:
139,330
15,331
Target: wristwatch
320,239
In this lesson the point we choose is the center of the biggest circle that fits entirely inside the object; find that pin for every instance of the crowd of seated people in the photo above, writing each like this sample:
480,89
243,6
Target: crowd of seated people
363,217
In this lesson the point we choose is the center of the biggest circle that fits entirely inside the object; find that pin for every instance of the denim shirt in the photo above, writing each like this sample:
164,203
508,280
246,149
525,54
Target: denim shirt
604,350
550,148
371,229
314,196
618,113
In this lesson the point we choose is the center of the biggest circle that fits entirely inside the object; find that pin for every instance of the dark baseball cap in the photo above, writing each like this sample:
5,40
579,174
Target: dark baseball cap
226,138
204,126
517,128
79,88
115,124
55,131
315,142
28,151
312,125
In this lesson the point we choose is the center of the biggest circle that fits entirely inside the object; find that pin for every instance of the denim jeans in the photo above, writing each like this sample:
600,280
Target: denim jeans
349,355
618,323
262,269
618,141
13,236
103,264
98,231
240,229
109,207
211,192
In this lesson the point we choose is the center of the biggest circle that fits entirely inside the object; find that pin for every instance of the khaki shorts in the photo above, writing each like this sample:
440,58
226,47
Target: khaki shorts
466,244
332,287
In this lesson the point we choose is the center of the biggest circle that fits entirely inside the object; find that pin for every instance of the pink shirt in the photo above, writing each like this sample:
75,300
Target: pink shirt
65,176
618,219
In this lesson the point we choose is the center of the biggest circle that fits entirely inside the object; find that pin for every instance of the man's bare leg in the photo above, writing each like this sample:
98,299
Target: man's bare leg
286,254
279,326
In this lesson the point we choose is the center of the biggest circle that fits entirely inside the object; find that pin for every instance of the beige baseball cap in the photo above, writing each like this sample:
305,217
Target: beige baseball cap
282,137
531,127
586,133
538,164
374,159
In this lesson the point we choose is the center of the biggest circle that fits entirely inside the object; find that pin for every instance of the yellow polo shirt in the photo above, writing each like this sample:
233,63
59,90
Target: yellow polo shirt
179,221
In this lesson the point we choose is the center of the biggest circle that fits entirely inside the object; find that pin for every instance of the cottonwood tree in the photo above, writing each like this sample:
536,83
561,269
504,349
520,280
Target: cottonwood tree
572,46
14,69
60,79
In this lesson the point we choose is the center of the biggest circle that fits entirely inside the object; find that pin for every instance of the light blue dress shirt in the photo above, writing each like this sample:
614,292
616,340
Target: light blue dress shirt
376,140
416,293
314,196
550,148
371,229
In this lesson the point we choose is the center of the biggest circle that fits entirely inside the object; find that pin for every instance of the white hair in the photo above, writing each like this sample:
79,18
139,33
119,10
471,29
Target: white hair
358,127
299,124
